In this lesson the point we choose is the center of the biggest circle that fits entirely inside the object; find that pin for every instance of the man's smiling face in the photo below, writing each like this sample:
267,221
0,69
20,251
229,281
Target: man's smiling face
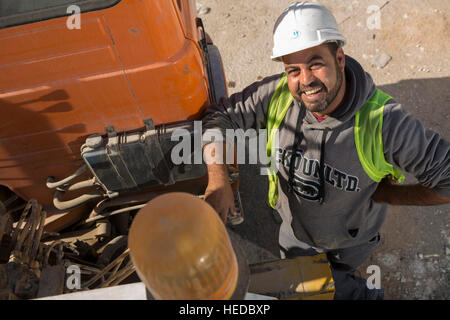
316,76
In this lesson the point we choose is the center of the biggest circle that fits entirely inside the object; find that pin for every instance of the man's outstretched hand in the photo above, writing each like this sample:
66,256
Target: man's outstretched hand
219,195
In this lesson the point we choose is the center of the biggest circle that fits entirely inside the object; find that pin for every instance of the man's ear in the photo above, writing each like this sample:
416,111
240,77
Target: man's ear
340,58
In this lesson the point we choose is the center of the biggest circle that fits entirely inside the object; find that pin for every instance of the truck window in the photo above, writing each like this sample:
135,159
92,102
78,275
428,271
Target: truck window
17,12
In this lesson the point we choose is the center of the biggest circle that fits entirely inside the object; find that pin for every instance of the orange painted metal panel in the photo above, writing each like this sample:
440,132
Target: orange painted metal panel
135,60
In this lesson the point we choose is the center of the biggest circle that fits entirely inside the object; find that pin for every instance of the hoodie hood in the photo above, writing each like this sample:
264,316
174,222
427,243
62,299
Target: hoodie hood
360,88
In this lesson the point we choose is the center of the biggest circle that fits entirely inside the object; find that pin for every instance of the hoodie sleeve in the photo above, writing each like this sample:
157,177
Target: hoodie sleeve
413,149
243,110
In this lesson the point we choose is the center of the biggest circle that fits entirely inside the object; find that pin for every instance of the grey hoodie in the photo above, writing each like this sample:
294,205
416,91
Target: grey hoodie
348,216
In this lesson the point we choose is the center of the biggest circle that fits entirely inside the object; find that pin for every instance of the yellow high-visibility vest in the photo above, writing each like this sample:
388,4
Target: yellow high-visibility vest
367,129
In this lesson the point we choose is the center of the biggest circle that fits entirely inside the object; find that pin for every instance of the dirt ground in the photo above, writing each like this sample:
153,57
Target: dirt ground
414,254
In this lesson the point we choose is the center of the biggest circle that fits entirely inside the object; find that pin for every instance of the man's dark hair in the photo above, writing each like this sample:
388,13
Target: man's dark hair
333,46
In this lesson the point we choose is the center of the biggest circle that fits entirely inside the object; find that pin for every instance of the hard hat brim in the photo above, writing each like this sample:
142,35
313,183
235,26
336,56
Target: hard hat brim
279,56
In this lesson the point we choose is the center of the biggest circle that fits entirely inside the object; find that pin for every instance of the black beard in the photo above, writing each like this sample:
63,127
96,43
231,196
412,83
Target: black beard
331,95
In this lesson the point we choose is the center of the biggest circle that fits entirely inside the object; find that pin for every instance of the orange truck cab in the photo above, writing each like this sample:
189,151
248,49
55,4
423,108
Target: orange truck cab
93,89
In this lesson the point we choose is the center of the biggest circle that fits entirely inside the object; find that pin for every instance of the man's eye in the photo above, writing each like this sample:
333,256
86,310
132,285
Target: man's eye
293,72
316,65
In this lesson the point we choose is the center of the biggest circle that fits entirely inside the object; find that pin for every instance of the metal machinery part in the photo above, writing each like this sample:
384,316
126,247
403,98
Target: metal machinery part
33,265
131,161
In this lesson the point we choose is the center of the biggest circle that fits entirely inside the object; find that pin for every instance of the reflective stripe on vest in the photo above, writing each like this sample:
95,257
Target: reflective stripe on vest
367,129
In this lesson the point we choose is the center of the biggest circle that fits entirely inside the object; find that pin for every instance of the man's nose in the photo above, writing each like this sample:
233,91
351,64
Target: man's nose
306,77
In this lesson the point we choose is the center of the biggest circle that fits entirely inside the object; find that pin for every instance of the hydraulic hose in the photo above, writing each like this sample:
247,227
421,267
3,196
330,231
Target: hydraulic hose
51,184
79,185
71,204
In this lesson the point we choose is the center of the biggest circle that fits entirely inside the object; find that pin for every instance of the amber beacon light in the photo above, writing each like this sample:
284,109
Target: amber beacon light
181,250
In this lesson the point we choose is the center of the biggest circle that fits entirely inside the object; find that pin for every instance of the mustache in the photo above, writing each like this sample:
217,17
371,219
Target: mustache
310,87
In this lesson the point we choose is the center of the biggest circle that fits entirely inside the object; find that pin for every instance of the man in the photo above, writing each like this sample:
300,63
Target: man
328,193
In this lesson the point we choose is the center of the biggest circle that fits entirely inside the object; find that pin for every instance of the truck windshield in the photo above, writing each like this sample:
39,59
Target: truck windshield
17,12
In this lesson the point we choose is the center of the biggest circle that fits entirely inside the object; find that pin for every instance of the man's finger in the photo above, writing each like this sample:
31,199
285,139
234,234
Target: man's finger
224,216
226,213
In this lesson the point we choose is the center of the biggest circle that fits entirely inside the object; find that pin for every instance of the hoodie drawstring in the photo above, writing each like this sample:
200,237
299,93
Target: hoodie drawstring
297,140
322,167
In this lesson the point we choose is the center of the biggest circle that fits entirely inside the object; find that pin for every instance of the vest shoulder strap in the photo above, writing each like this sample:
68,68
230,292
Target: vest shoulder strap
369,139
279,104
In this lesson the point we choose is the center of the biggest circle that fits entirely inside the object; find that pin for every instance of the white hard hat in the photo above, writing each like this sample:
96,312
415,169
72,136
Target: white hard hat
304,25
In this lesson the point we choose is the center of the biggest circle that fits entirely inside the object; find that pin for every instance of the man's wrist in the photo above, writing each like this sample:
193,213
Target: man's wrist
408,195
217,174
